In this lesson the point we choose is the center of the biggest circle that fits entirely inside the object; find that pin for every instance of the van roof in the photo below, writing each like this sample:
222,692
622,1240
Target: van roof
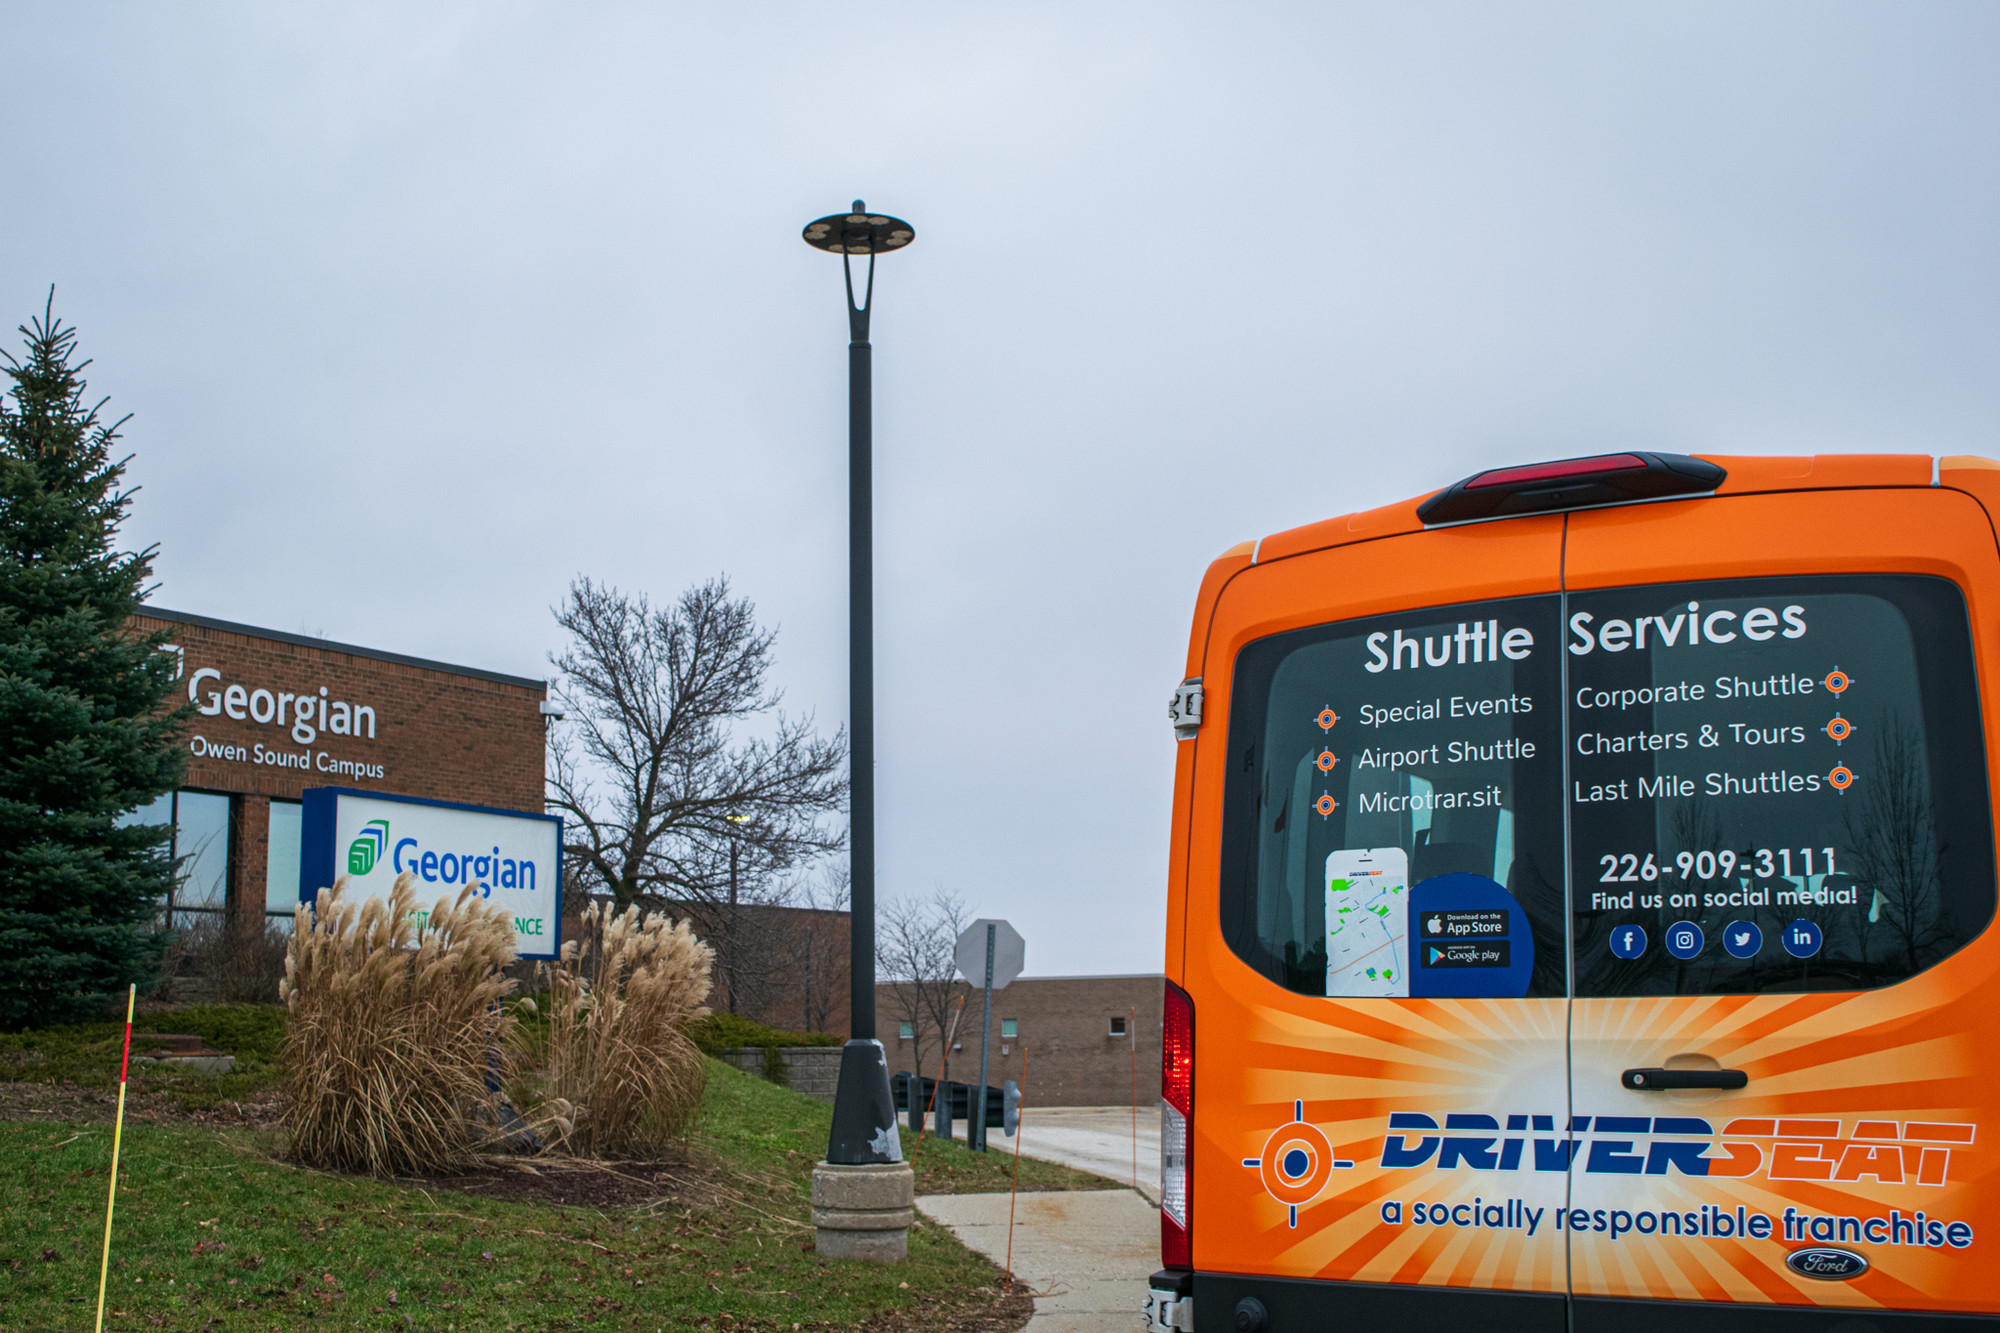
1747,474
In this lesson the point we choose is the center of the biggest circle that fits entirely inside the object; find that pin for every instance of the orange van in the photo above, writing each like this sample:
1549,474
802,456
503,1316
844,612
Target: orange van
1579,904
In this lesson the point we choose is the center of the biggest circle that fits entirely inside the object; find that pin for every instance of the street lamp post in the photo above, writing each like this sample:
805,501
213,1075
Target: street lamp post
862,1151
732,937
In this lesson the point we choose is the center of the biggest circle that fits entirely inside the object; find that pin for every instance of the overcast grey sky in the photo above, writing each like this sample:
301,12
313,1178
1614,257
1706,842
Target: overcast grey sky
423,310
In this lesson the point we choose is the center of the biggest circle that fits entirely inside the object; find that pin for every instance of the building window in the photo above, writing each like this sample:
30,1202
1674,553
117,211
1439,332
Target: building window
1009,1028
1118,1025
281,864
906,1030
200,848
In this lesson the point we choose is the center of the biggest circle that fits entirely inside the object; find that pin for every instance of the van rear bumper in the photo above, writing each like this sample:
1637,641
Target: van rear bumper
1296,1305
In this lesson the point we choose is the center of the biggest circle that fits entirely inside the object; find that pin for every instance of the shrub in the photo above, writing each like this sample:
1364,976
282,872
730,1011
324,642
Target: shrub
617,1067
395,1030
246,1031
210,956
89,1053
718,1032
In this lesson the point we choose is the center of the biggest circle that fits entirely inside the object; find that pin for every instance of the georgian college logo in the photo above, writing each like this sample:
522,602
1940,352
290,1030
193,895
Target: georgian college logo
366,850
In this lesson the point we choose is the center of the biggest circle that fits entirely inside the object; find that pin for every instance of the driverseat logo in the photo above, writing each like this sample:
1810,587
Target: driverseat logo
1296,1163
1889,1152
366,850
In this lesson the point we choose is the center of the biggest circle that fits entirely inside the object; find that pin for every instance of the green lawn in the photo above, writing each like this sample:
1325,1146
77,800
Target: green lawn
215,1231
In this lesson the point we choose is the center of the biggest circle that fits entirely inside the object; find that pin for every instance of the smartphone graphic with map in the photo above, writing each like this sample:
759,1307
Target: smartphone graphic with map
1367,921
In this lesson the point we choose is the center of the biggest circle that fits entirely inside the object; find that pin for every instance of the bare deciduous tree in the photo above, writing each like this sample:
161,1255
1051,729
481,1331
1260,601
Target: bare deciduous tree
666,802
913,949
1893,833
818,952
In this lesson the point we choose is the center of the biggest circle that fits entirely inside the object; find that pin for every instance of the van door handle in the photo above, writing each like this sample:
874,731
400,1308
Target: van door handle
1665,1080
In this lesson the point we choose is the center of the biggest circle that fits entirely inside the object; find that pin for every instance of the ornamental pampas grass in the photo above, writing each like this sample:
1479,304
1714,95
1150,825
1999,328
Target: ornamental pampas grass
395,1024
618,1069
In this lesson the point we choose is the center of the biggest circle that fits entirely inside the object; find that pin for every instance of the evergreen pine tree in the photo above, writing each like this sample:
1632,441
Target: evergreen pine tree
87,730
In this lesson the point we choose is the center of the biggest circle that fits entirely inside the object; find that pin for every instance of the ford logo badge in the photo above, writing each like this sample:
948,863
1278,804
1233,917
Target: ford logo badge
1826,1264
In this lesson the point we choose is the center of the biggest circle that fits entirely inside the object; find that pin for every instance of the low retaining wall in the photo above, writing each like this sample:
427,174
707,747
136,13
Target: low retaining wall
812,1070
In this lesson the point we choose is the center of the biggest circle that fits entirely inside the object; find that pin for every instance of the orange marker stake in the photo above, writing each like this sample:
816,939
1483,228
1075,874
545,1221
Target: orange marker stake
117,1139
1132,1039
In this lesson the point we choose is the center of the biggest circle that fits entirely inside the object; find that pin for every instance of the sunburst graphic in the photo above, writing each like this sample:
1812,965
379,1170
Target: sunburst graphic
1355,1062
1828,1075
1895,1072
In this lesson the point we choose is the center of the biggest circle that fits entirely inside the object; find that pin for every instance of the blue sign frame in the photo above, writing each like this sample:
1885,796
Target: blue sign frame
319,866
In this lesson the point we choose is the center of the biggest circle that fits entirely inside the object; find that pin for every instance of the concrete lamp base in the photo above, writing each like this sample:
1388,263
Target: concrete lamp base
864,1212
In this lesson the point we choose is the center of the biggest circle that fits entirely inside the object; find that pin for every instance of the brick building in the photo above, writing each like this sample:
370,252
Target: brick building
792,965
1088,1040
792,969
278,713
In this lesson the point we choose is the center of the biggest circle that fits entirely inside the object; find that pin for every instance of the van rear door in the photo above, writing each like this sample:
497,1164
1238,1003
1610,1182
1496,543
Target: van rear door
1379,1071
1782,870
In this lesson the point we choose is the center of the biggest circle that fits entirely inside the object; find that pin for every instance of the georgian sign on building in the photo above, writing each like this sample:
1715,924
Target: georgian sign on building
274,715
299,715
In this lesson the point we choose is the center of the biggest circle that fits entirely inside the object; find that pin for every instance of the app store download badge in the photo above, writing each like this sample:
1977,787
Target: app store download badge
1742,939
1628,941
1684,940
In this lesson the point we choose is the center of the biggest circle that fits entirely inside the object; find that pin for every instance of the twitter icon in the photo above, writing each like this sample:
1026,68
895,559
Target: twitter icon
1742,939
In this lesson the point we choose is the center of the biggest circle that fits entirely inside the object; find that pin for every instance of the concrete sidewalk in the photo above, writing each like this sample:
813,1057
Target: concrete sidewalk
1095,1138
1084,1255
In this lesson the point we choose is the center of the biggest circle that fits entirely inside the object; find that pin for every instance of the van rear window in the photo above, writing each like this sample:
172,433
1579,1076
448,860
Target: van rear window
1394,803
1777,784
1770,785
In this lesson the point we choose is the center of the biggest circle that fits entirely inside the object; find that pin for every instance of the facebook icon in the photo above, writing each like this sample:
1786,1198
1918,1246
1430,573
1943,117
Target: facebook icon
1628,941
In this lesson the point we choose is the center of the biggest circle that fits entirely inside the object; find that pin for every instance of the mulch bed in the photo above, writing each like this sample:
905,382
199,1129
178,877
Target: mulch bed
569,1183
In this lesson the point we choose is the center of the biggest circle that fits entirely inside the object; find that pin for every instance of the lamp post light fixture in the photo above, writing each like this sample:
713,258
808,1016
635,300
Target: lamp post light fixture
862,1193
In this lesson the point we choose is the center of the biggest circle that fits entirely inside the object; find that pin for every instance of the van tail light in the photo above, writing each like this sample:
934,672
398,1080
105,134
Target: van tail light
1176,1130
1571,483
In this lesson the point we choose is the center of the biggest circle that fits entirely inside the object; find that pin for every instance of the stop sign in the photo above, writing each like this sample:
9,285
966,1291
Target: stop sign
1010,952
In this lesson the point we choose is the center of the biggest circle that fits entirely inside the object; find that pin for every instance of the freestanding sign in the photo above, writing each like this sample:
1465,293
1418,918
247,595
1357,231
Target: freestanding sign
515,858
1009,953
990,953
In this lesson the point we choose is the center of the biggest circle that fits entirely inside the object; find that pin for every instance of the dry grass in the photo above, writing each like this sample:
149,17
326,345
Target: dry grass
395,1029
615,1066
210,958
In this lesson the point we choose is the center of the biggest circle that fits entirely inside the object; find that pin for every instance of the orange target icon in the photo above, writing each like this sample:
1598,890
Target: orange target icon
1842,778
1839,729
1327,759
1327,717
1296,1163
1326,805
1837,680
